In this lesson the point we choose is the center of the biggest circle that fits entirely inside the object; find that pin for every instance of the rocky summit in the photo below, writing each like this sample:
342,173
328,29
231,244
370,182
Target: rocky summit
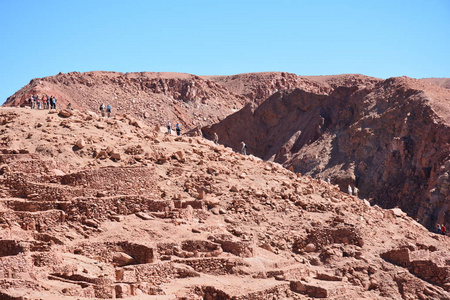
96,207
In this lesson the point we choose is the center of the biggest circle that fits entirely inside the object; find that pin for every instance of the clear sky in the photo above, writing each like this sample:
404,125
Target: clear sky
381,38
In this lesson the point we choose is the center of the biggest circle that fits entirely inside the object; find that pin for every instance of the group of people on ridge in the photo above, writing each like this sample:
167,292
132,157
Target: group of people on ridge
45,102
105,109
441,229
177,128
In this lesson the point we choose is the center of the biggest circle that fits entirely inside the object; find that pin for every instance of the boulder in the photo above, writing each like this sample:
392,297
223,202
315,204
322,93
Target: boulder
57,172
122,259
115,155
144,216
80,143
102,154
234,189
136,123
394,213
65,113
310,248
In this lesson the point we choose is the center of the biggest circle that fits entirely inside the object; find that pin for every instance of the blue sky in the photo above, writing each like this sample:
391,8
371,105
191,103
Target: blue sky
378,38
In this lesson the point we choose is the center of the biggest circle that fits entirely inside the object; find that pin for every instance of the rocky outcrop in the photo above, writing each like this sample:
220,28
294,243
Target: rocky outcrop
257,87
390,140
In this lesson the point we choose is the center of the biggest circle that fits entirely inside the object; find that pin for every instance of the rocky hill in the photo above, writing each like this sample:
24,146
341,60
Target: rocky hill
390,139
153,97
94,207
257,87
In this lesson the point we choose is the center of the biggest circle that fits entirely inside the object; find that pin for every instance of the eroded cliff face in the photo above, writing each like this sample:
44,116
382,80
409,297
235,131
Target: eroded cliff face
390,140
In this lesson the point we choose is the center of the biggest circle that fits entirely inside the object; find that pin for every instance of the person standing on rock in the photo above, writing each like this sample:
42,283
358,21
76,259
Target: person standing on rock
244,148
350,190
108,110
102,109
355,191
443,229
438,228
169,128
216,138
178,129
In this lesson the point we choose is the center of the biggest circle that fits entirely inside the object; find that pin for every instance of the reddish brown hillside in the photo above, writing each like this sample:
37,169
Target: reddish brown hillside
107,208
345,80
443,82
391,141
156,97
257,87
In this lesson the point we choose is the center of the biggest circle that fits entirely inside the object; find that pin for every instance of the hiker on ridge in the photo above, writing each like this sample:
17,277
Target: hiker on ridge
169,128
178,129
244,148
216,138
102,109
108,110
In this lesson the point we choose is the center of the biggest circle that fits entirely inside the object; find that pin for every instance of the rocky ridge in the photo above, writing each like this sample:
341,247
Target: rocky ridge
389,139
152,97
257,87
108,207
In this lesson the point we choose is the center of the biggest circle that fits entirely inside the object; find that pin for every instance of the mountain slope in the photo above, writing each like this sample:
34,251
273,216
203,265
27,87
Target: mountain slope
257,87
391,140
95,207
443,82
155,97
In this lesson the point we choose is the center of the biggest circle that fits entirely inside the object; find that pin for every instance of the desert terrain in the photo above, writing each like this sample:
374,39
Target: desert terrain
94,207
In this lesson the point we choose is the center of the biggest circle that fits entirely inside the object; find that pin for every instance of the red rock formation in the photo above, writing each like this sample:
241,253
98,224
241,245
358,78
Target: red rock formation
390,140
156,97
257,87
